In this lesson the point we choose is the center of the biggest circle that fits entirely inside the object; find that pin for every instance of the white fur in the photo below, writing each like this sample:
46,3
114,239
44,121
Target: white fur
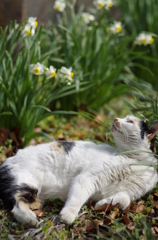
87,171
25,216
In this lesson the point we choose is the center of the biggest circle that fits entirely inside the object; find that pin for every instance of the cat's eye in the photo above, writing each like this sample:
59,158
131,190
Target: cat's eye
129,121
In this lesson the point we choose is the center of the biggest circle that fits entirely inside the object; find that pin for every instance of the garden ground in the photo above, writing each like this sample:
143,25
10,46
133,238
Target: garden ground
139,221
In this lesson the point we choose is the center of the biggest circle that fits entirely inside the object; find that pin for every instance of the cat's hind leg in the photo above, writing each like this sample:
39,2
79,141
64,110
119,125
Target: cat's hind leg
25,200
121,197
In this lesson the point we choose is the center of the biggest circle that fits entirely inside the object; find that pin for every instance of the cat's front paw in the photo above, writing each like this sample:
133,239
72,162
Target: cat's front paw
28,219
68,215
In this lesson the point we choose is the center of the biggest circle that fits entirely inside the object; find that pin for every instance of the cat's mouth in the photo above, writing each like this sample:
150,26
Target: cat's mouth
115,129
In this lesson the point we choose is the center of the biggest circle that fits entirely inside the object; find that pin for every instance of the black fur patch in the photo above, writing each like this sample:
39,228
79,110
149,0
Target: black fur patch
143,129
146,130
152,144
27,194
67,145
9,189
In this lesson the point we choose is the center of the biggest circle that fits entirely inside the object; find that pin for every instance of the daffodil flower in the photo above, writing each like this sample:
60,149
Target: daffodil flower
87,17
66,74
32,22
144,39
37,69
141,39
59,5
150,39
108,4
51,72
116,27
99,4
28,30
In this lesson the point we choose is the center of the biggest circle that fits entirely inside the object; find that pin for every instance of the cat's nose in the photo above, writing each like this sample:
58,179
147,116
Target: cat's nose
117,123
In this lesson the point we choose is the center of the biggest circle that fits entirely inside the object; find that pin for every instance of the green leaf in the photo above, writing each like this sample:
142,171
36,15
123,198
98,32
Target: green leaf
37,134
6,113
40,106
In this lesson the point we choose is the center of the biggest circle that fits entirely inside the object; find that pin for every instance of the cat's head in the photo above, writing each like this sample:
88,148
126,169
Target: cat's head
131,133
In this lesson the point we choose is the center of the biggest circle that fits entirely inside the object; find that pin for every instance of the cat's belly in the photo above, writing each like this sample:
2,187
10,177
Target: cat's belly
57,185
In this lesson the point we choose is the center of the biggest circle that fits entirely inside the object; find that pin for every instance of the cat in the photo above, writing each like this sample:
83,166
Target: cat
79,170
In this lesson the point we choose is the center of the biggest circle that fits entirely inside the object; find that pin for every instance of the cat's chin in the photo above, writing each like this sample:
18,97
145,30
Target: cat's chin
115,129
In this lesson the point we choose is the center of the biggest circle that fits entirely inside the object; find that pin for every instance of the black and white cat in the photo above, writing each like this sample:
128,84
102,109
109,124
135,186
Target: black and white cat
77,171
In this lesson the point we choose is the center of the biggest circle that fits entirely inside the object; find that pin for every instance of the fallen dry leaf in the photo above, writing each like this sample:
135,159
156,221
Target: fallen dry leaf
83,106
155,200
155,204
68,126
156,196
154,231
104,208
82,213
78,134
37,129
152,212
143,232
13,135
61,137
100,117
91,204
114,214
107,221
131,226
100,138
14,138
39,212
139,207
4,135
128,208
125,219
89,226
98,223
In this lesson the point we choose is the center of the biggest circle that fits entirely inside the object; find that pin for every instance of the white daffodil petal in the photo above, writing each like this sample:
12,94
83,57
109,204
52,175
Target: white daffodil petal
108,4
59,5
32,21
149,39
144,39
116,27
28,30
37,69
51,72
66,75
99,4
87,17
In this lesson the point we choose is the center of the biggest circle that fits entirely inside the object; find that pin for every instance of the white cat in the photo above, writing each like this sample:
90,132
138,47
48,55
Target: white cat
77,171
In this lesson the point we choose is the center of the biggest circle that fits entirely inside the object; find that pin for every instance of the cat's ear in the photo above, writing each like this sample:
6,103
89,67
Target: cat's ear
152,131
